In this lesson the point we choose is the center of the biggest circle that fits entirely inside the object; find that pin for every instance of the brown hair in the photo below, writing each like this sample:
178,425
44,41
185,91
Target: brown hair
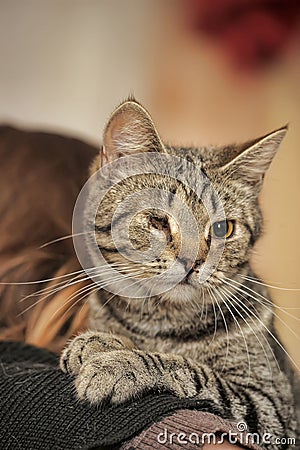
41,176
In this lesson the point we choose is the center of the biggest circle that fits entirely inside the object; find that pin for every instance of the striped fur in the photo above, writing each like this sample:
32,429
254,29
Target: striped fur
212,341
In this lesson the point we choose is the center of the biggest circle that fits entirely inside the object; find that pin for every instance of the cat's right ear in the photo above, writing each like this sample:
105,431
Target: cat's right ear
129,130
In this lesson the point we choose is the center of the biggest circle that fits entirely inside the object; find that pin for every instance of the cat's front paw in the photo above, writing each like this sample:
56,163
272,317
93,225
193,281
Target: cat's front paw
121,375
110,371
113,377
86,345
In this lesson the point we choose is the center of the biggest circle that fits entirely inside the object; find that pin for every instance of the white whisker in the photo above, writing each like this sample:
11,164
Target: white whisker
68,236
238,303
254,280
269,302
269,332
71,283
225,325
240,329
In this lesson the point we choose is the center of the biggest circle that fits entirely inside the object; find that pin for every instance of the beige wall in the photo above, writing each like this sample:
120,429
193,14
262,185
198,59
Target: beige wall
66,63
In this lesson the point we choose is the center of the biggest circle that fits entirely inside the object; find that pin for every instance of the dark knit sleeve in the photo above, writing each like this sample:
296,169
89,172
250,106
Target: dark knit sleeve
39,408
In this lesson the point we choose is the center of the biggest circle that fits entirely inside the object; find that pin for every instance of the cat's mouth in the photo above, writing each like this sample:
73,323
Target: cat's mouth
187,278
185,281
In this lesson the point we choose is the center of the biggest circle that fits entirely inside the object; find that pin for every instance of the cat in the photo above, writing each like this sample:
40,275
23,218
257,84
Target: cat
211,340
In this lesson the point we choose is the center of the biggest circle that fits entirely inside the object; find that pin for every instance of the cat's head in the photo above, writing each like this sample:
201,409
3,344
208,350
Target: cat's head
236,174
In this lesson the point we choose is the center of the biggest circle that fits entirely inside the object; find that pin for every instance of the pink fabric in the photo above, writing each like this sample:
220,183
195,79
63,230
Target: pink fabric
187,427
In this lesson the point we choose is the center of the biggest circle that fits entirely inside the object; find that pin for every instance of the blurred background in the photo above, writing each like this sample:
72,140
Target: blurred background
210,72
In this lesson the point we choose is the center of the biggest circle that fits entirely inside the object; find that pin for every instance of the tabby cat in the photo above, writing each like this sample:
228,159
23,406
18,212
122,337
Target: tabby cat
211,339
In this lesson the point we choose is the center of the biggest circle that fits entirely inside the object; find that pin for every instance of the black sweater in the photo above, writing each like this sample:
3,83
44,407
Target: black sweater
39,409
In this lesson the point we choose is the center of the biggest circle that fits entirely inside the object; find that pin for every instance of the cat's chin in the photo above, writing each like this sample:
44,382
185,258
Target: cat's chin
182,292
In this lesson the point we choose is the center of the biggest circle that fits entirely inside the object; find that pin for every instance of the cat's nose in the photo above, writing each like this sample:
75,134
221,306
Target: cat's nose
187,263
198,263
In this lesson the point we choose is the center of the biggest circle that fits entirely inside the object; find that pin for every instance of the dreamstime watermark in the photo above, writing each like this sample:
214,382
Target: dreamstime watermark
238,436
151,176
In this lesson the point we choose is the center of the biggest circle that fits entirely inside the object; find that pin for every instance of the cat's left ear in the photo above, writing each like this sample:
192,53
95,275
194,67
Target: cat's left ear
254,160
129,130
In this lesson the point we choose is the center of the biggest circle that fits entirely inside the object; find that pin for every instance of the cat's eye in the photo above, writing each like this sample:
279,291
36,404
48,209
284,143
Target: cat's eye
222,229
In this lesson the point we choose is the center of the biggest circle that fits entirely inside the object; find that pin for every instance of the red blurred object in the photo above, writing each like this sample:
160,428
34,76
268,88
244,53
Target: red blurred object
252,32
